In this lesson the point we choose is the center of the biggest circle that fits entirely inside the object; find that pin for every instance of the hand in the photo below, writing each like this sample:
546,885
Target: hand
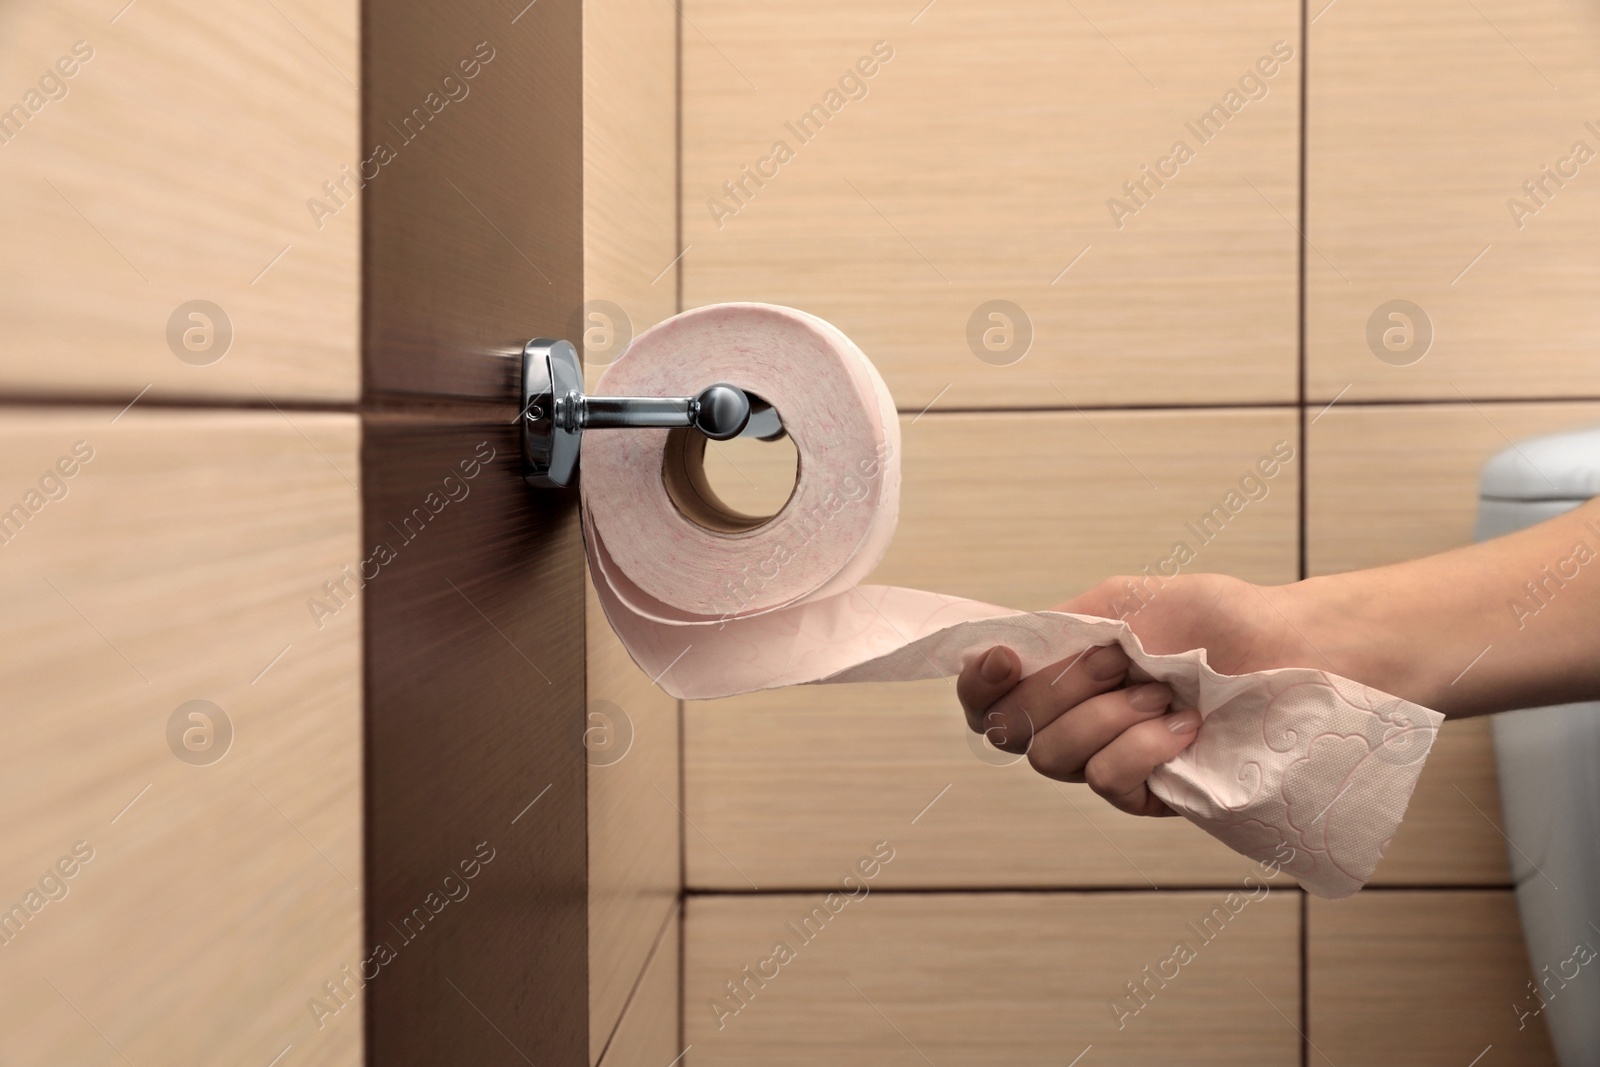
1079,722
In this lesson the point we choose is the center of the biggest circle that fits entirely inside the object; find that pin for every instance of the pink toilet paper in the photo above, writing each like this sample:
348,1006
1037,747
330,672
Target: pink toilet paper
710,603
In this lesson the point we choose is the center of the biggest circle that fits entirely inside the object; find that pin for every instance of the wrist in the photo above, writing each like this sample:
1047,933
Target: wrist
1362,625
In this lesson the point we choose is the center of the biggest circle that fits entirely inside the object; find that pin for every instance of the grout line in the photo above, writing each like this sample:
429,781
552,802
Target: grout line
1287,404
684,963
677,280
1304,471
202,403
132,402
683,973
1303,534
1305,979
1076,890
683,805
365,56
1302,301
396,404
677,154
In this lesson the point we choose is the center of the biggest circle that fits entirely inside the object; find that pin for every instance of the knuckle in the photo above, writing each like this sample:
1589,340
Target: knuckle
1150,739
1013,742
1038,761
1004,732
1098,775
1020,729
1046,760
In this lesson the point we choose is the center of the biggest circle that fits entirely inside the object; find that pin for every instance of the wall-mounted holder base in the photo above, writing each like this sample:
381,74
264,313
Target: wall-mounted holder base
555,412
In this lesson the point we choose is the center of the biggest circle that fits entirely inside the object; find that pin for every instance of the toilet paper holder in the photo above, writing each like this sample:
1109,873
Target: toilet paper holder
555,412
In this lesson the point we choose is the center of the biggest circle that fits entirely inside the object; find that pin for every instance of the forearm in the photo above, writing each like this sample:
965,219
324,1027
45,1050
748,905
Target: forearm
1508,623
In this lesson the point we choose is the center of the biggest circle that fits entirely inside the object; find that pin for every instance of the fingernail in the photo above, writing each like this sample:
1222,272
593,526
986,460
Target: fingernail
1152,697
1184,722
996,665
1104,664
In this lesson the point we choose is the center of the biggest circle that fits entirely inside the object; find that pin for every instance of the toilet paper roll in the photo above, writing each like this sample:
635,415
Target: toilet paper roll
1298,767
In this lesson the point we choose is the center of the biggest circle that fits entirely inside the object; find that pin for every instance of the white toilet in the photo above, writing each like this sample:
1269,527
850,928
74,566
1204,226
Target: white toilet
1549,762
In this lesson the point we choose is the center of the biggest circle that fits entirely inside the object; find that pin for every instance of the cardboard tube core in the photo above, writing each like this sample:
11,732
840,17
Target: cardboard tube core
683,473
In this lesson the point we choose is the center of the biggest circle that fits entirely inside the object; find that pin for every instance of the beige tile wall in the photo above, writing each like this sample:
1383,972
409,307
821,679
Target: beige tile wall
152,155
978,166
222,884
999,978
184,162
630,154
1416,157
1420,977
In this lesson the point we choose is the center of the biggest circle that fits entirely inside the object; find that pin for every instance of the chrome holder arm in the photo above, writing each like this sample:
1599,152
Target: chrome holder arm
555,412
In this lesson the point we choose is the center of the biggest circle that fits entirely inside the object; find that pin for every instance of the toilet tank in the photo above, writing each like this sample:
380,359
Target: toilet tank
1549,763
